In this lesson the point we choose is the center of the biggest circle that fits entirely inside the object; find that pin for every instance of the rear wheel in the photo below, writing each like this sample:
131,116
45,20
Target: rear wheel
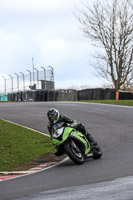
97,152
74,152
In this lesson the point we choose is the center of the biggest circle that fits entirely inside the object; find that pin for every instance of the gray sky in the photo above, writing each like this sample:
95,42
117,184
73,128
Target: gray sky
49,32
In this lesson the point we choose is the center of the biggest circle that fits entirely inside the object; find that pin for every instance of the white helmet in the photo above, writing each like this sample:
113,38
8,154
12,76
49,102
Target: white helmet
53,115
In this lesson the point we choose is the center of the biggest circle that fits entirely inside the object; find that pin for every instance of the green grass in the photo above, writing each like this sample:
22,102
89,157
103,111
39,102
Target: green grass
119,102
19,145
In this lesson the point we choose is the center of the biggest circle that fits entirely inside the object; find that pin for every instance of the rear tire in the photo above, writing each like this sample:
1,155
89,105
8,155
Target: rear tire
75,154
97,152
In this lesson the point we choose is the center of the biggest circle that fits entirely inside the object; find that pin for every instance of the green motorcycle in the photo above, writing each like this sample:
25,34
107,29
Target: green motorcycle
74,143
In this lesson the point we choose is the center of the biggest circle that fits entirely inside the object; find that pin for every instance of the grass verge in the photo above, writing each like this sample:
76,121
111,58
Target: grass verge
19,145
119,102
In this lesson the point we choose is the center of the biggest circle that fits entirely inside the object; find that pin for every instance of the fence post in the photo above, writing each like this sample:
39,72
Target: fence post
4,83
17,81
23,81
30,76
11,82
44,77
37,77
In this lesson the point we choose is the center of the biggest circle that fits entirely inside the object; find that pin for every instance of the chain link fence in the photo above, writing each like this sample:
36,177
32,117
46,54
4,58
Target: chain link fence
25,82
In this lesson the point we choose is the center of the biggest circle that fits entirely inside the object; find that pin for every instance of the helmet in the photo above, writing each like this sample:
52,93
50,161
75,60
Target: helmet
53,115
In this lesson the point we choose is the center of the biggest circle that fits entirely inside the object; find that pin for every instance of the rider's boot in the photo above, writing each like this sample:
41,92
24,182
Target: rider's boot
91,139
81,128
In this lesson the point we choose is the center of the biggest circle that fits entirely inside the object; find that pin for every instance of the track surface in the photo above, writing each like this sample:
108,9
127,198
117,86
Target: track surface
111,126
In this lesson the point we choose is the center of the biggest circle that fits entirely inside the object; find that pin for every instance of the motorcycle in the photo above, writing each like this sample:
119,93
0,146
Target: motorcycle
74,143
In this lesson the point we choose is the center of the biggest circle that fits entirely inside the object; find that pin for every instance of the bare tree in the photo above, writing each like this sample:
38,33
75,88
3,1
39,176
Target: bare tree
109,24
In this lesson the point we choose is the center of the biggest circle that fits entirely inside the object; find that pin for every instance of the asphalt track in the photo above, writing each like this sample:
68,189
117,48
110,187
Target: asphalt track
111,126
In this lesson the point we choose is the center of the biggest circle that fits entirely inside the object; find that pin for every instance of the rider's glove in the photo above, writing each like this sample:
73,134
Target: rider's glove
74,125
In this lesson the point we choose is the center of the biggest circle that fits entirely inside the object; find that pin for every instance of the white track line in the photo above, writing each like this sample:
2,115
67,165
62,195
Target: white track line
26,127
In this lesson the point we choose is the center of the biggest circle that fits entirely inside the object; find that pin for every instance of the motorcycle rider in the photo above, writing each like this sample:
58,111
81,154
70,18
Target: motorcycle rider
54,117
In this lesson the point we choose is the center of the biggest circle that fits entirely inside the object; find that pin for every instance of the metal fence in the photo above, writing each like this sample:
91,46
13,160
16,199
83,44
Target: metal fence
30,81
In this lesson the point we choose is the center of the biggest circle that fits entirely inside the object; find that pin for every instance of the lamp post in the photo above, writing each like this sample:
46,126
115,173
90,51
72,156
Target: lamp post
37,77
23,81
44,77
17,81
30,76
4,83
11,82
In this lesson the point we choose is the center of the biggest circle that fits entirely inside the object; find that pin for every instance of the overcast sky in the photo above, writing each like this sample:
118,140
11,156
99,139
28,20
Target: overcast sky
49,32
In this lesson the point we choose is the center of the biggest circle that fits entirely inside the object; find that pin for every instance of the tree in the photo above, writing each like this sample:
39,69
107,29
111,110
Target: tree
109,24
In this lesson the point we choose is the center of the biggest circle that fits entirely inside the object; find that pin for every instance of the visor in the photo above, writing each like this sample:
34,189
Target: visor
52,117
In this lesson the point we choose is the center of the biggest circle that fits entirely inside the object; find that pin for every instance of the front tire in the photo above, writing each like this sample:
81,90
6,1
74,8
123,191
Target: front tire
74,152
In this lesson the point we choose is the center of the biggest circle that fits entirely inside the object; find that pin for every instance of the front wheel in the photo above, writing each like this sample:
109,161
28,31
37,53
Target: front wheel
74,152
